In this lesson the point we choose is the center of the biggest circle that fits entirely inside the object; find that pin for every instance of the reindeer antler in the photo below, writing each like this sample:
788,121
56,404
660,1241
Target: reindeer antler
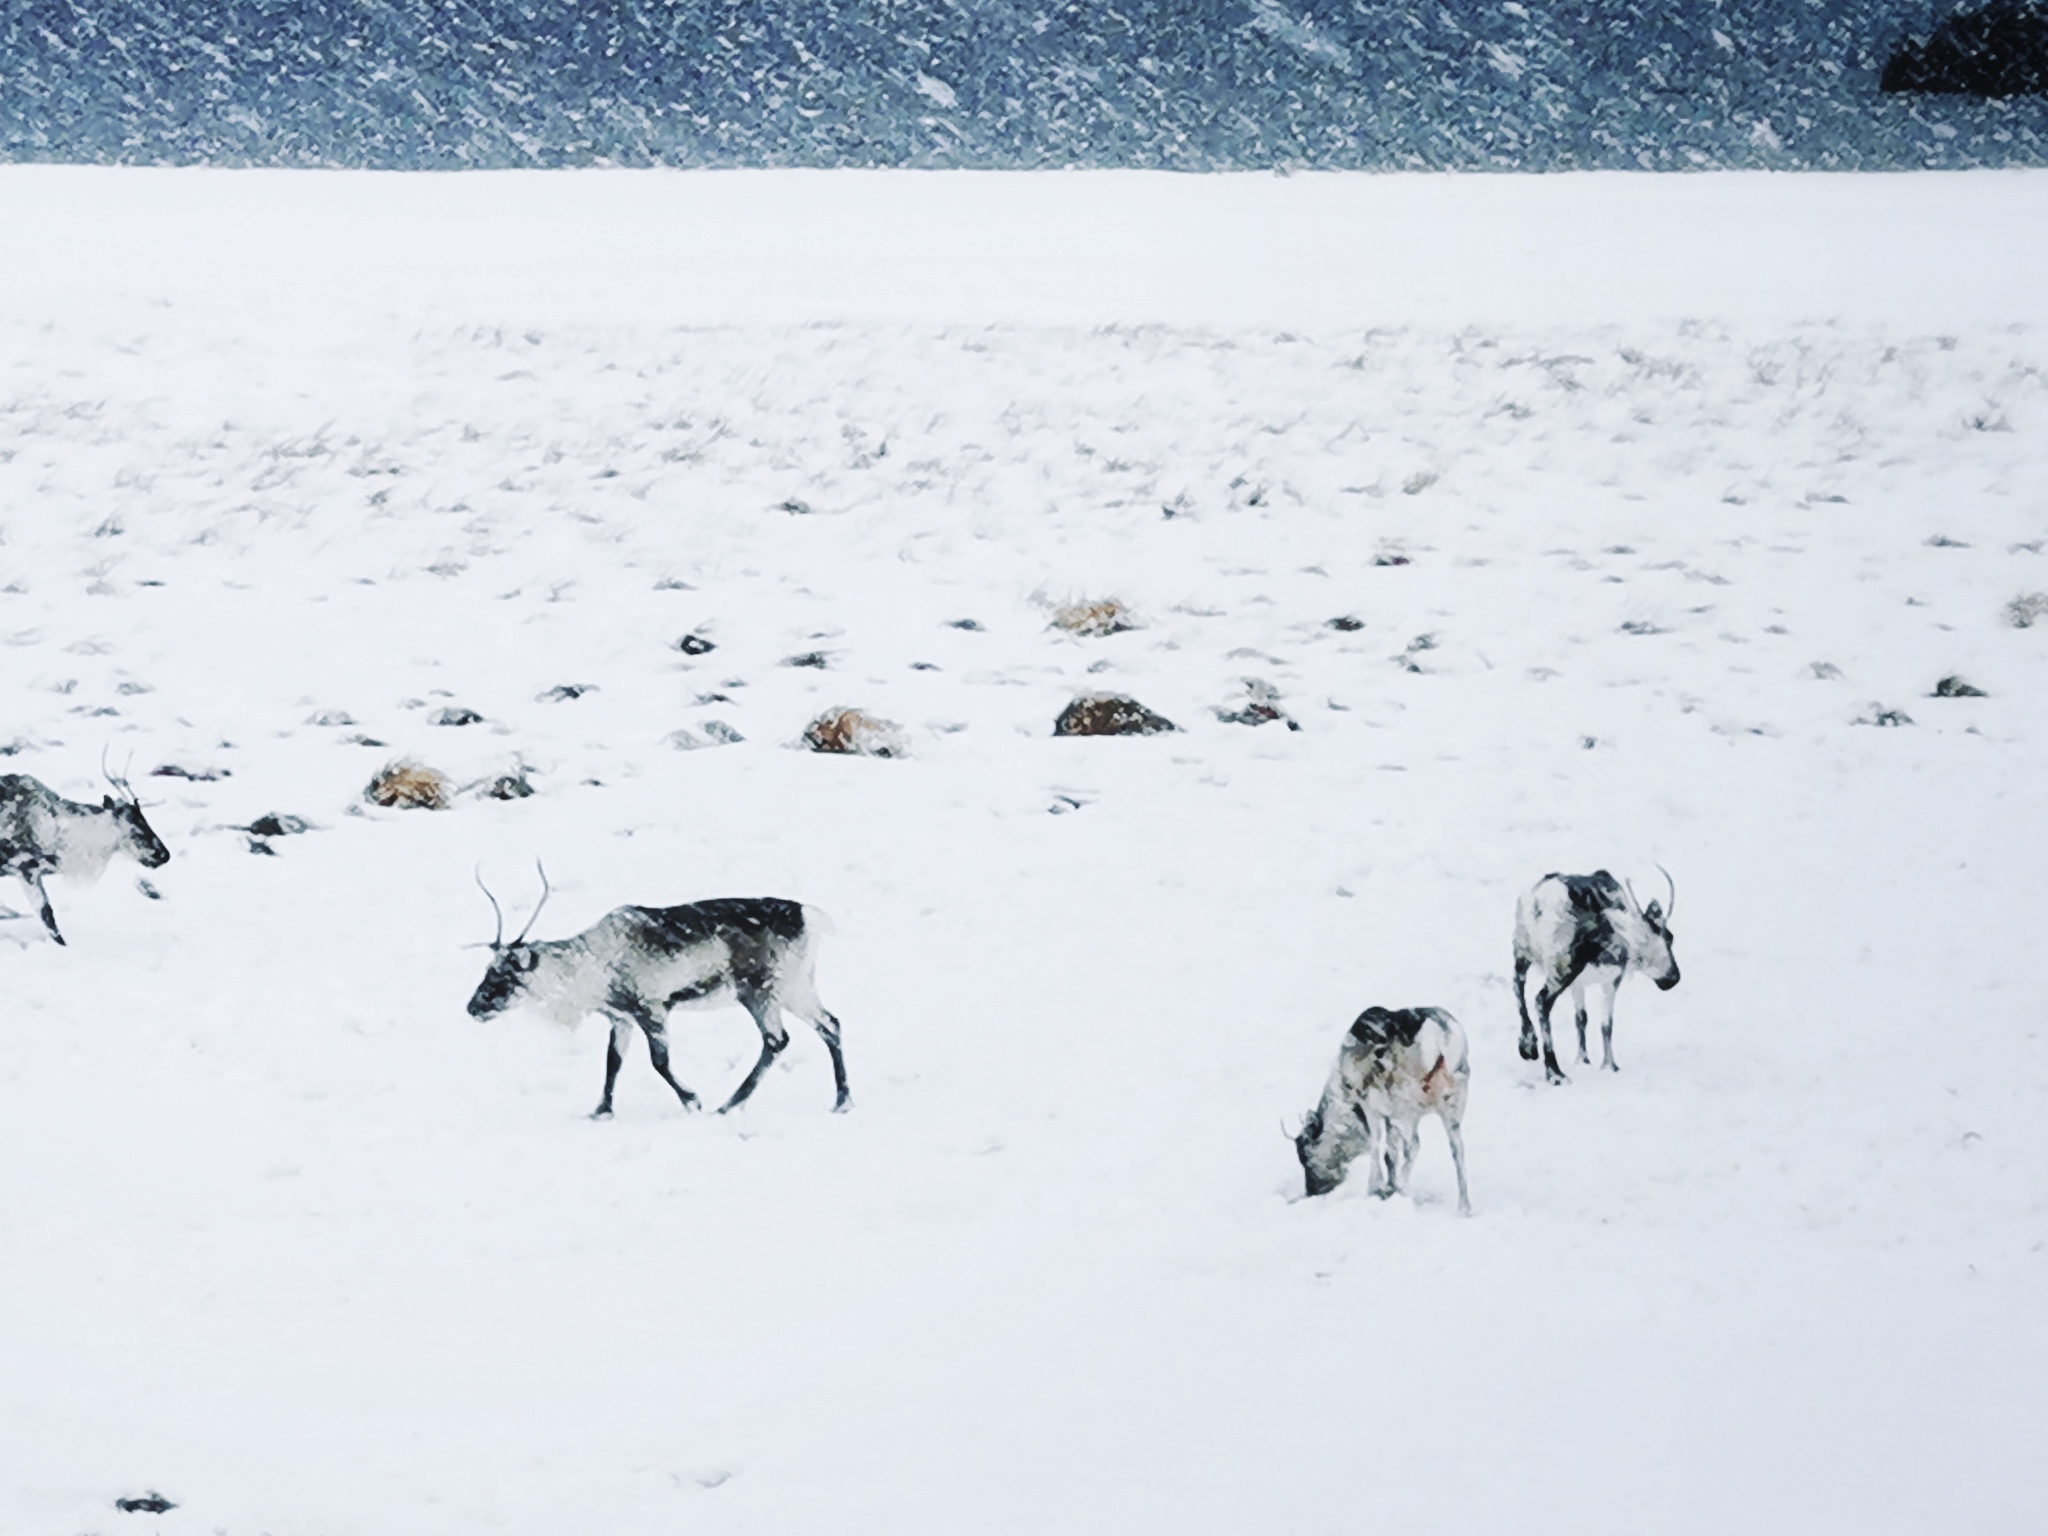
1672,905
118,780
544,889
497,939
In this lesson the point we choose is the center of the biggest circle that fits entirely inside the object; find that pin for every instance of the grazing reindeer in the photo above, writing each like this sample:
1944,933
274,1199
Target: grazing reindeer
636,963
1396,1065
1580,931
42,833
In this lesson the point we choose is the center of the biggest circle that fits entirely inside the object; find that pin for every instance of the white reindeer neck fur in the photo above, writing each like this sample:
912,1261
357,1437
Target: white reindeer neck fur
1649,948
563,985
1632,929
87,842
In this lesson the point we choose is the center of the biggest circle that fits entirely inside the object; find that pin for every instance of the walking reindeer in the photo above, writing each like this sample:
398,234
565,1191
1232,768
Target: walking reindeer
1580,932
1395,1066
637,963
42,833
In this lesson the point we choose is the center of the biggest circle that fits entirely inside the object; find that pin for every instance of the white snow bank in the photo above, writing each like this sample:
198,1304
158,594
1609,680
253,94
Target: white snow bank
1085,247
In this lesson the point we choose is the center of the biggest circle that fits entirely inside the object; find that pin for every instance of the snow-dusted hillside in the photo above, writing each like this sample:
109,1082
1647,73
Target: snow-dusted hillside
293,1240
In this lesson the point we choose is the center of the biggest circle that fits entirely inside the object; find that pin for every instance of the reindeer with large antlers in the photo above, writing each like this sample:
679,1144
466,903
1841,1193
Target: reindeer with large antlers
1587,931
635,964
42,833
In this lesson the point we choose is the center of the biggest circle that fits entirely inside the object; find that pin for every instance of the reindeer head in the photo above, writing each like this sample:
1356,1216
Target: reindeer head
512,965
1651,953
137,836
1324,1155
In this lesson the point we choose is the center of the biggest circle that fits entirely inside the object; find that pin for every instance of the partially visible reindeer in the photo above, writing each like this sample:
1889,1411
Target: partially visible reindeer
1586,931
636,963
1395,1066
42,833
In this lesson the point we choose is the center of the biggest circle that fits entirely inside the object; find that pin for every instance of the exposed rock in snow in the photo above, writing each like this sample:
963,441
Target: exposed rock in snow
1109,714
408,785
855,733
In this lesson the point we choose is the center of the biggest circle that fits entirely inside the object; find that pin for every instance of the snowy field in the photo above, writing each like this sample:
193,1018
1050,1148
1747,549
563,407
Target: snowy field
1647,497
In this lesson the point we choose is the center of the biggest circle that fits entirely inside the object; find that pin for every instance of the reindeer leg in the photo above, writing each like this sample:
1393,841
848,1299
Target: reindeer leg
828,1031
614,1057
1545,996
1397,1158
798,993
34,881
1379,1135
1579,1007
1528,1045
1607,1029
773,1038
657,1052
1411,1138
1456,1137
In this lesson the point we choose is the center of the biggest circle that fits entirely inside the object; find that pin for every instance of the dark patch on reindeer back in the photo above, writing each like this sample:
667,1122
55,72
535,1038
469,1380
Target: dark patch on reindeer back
22,796
746,919
1594,900
769,916
1592,895
754,929
27,822
1377,1028
656,928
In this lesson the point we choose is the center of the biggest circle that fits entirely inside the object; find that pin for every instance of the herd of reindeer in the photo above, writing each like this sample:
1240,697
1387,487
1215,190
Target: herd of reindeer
1575,935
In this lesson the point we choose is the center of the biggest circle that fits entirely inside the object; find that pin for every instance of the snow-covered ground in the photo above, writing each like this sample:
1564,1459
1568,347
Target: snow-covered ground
292,1239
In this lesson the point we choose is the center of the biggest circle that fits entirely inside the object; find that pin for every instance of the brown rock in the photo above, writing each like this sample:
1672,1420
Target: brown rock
409,786
1109,714
1102,616
855,733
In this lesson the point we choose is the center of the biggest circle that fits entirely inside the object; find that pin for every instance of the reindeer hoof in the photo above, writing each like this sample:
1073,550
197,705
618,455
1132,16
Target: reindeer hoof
602,1112
1528,1049
842,1106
